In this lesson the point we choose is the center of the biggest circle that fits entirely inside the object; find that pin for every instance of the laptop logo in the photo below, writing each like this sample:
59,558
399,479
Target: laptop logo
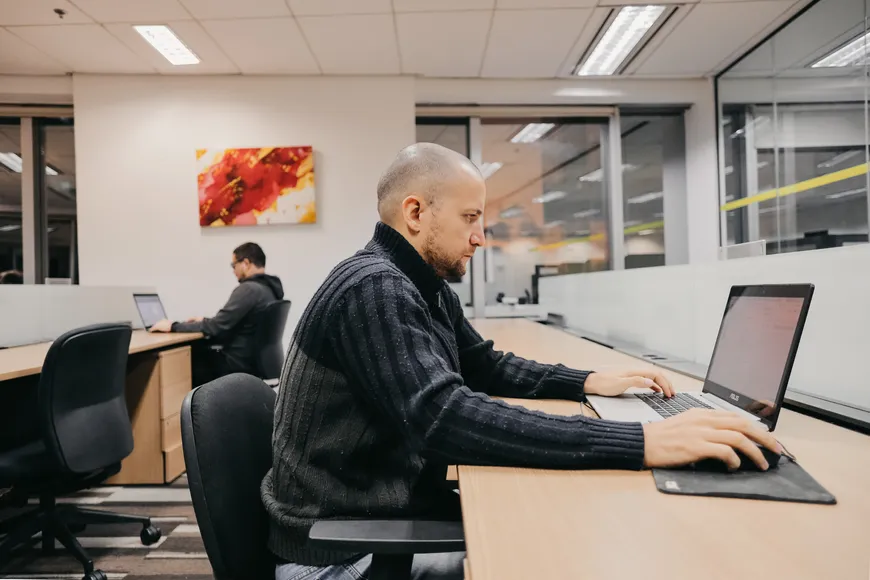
734,397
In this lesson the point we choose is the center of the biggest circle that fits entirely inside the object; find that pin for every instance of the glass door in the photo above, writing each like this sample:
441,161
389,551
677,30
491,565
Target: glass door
547,209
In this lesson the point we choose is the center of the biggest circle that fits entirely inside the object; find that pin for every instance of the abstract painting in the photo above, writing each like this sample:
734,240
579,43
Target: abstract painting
248,187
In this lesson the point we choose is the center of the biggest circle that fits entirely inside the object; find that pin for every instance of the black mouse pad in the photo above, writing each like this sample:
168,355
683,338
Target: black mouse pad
786,482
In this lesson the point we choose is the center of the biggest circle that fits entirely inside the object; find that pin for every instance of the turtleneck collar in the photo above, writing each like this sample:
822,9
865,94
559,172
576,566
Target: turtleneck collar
406,257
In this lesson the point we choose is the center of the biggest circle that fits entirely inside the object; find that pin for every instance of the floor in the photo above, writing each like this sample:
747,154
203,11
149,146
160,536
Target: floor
116,549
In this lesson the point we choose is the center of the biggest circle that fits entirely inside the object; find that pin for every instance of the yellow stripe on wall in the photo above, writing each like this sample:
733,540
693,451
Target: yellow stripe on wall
594,237
813,183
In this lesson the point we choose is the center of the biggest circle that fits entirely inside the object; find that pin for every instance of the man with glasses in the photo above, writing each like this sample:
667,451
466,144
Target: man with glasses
234,325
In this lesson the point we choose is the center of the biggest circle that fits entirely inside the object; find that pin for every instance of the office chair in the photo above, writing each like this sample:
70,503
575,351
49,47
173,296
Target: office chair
225,468
86,432
269,338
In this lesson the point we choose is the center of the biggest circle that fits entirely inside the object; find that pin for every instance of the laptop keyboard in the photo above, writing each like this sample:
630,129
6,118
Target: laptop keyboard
669,407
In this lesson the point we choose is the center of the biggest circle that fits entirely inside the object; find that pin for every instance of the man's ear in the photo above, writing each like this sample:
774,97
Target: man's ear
412,207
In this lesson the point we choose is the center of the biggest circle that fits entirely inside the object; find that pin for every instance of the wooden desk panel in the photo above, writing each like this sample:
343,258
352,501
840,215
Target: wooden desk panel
22,361
525,523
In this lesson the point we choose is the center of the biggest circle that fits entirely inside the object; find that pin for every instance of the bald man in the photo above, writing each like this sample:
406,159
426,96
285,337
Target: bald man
386,384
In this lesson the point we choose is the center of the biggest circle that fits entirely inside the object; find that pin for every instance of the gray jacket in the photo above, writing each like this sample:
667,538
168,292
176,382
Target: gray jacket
234,325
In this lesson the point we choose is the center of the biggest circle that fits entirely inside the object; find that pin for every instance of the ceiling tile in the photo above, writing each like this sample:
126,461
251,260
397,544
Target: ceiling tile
330,7
725,29
531,4
264,46
441,5
218,9
448,44
86,48
18,57
135,11
364,44
39,12
531,43
192,34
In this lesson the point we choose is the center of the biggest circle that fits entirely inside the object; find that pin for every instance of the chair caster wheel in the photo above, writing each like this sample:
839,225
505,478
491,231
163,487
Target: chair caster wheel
95,575
150,535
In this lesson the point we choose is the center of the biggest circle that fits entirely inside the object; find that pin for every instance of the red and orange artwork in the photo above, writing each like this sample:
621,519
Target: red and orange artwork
248,187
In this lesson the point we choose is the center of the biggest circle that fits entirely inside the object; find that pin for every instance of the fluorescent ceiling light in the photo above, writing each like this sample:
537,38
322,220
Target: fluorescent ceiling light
768,209
853,53
487,169
511,212
646,232
588,92
646,197
554,224
659,215
166,43
598,173
587,213
756,122
729,170
532,132
632,223
580,233
619,40
10,228
848,193
550,196
13,162
837,159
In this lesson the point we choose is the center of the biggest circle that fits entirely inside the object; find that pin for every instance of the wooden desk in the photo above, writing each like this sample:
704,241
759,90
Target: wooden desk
526,523
159,375
22,361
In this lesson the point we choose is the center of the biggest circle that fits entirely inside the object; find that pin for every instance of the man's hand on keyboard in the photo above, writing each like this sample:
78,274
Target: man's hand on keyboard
612,385
701,434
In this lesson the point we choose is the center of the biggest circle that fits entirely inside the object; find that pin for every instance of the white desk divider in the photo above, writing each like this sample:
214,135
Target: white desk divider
40,313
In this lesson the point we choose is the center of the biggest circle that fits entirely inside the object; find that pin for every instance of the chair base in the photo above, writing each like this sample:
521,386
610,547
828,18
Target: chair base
55,522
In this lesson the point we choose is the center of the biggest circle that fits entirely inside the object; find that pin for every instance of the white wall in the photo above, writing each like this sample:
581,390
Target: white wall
677,309
137,199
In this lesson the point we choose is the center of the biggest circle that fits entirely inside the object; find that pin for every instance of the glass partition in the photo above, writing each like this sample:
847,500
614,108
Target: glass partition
794,134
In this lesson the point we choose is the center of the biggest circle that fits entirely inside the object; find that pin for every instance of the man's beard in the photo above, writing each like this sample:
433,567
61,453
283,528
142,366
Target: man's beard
444,265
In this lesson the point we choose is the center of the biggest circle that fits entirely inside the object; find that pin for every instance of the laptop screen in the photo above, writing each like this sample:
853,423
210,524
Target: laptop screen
150,309
756,346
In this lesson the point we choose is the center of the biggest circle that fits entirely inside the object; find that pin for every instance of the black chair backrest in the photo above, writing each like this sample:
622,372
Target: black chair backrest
269,339
226,431
82,406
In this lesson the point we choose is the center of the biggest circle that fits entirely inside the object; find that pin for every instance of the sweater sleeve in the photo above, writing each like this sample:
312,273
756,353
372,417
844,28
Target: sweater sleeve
506,375
384,341
241,301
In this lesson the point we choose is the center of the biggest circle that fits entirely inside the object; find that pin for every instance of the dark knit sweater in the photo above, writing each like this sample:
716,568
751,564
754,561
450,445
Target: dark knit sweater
386,383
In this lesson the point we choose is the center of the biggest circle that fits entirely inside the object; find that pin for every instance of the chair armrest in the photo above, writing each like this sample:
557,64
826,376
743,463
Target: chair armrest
388,536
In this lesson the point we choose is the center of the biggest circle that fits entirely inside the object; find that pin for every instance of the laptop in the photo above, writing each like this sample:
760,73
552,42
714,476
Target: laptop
150,309
751,363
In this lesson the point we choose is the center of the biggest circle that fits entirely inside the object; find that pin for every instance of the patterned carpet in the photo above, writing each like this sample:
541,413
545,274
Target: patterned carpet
116,549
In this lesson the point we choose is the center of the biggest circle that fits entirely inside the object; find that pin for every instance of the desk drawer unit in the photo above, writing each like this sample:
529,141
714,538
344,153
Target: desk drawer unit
157,383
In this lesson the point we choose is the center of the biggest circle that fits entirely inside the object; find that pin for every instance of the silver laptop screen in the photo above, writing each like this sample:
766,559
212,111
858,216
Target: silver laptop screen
150,309
752,353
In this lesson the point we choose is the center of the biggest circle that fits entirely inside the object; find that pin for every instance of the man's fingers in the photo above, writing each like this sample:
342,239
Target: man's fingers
741,442
642,382
660,382
734,422
722,452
